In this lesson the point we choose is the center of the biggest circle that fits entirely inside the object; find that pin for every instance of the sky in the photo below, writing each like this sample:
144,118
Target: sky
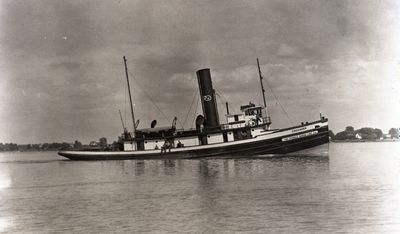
62,76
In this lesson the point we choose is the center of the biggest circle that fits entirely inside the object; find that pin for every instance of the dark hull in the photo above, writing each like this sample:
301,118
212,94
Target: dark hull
273,146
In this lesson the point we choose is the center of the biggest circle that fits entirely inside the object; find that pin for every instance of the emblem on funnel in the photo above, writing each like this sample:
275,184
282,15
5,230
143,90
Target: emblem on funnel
207,98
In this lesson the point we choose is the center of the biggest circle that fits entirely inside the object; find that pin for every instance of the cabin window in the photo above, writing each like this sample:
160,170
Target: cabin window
208,136
145,142
236,117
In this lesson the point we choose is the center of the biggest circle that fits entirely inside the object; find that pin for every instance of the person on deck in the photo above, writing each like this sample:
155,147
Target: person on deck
179,145
167,145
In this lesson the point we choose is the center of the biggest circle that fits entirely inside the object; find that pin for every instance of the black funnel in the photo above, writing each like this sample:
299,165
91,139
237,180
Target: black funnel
208,101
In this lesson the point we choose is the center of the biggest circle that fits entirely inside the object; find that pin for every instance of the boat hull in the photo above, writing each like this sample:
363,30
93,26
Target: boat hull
304,143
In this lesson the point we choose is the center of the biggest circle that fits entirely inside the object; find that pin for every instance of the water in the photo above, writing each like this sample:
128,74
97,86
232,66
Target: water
356,191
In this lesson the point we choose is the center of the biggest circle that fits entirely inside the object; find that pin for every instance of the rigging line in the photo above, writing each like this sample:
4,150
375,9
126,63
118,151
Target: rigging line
283,109
220,94
190,108
148,96
180,123
226,100
223,96
219,99
195,109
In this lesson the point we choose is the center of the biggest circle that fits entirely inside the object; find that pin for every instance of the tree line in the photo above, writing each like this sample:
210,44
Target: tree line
35,147
101,144
365,133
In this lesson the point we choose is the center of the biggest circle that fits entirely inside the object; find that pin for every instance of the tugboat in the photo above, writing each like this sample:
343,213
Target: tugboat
246,134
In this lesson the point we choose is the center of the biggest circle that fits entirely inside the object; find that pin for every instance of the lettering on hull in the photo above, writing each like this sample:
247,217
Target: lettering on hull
300,136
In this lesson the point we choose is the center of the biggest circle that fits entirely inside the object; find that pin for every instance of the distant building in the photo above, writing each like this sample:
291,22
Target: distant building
93,143
387,136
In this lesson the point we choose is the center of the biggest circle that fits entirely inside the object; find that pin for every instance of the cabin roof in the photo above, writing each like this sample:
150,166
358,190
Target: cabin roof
149,130
253,108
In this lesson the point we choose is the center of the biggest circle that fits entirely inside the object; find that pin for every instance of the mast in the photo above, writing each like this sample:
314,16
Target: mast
122,121
263,93
130,97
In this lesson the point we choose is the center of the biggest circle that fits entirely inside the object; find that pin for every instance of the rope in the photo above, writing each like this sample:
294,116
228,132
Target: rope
149,97
283,109
220,94
190,108
195,112
180,123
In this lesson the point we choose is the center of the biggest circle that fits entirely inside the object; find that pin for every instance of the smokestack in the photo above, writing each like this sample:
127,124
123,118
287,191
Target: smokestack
207,96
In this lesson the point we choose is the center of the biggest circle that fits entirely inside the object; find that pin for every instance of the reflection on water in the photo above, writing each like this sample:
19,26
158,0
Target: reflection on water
169,167
139,167
5,180
5,223
355,190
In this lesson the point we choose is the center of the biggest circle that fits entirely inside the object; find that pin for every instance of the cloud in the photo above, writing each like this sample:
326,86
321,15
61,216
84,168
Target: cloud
328,55
65,65
286,50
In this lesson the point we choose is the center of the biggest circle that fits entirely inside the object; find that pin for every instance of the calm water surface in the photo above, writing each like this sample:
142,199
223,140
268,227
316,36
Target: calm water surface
356,190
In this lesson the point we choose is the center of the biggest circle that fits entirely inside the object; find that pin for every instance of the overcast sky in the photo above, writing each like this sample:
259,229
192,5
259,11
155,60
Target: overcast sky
62,76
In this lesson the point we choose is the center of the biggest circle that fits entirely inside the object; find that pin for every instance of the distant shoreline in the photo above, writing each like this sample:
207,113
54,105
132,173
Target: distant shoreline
22,151
361,141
